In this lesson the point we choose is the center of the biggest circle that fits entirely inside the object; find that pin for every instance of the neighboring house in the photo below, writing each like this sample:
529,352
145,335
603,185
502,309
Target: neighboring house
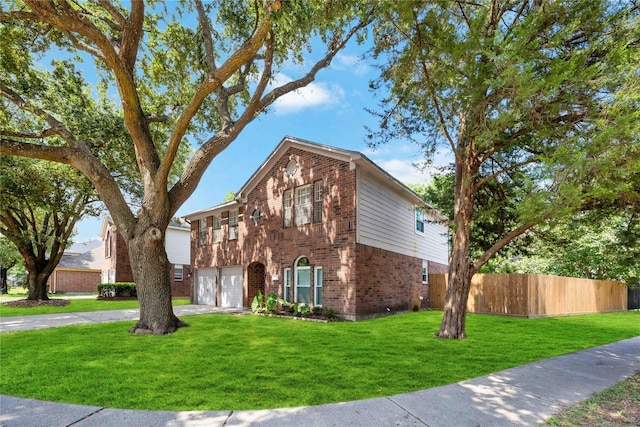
322,226
115,258
79,269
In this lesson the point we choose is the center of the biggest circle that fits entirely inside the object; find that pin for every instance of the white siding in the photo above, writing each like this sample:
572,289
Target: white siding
178,245
386,220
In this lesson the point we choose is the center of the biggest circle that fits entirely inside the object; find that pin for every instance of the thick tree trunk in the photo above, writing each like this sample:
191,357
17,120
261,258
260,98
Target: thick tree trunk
460,267
151,273
37,286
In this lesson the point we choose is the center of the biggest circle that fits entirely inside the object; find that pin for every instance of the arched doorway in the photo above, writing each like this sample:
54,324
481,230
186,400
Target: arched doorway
255,281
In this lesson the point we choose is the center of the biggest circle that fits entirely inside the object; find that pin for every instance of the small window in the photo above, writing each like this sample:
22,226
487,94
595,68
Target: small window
178,273
233,224
317,201
425,272
107,247
288,208
287,284
303,205
317,298
419,221
202,232
217,228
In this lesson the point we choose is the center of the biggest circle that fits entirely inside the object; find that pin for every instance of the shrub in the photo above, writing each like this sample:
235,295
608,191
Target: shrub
258,302
117,290
272,303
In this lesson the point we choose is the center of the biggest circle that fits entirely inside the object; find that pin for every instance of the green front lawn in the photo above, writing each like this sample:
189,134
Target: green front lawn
226,362
77,305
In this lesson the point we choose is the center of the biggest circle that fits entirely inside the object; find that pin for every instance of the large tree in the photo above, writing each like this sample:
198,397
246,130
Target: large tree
40,204
184,73
535,91
9,256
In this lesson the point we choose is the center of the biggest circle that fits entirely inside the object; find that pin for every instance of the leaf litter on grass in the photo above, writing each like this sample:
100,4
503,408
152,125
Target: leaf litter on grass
615,407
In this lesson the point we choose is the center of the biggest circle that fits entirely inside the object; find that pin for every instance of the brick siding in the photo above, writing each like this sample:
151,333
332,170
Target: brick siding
62,281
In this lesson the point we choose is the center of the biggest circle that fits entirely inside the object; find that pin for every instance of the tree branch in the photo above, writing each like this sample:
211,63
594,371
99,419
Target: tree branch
132,35
56,127
489,253
205,24
37,151
432,93
214,81
8,17
66,18
515,166
39,135
194,170
114,12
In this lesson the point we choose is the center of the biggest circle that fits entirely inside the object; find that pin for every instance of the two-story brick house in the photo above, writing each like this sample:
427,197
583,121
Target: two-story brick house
321,226
116,266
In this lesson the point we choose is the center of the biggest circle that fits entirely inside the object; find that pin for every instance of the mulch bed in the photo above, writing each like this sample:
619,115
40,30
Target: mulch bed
310,317
36,303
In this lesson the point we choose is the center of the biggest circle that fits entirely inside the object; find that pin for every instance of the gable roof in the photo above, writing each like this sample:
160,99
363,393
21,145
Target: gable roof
354,158
83,247
87,257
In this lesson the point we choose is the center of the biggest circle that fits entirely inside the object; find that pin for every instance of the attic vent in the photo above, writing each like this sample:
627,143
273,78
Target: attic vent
291,169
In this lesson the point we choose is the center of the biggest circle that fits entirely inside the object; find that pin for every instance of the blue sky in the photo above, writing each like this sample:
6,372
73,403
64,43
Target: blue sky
330,111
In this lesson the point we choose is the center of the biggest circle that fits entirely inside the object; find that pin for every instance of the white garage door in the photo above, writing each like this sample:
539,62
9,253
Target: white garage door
231,287
206,286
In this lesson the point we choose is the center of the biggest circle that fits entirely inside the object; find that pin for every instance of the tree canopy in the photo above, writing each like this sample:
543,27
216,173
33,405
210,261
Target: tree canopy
538,97
181,74
40,204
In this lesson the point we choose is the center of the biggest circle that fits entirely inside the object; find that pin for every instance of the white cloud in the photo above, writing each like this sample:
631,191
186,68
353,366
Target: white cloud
352,63
315,94
392,148
404,171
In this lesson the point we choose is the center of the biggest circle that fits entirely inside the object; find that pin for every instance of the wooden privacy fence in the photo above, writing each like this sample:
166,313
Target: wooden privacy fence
533,295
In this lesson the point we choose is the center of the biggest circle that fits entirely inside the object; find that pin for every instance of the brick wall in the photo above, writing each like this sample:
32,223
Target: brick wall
387,281
62,281
184,287
329,243
255,281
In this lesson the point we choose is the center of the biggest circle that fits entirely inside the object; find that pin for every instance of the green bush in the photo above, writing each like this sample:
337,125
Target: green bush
258,302
117,290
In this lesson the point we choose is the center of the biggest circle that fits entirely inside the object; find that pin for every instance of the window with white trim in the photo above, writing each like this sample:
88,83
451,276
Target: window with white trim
217,228
233,224
425,272
317,201
303,205
419,221
317,283
107,247
288,208
202,232
303,281
178,272
287,284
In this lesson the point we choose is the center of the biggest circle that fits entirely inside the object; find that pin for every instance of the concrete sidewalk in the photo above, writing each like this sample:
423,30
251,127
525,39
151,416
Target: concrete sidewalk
40,321
521,396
